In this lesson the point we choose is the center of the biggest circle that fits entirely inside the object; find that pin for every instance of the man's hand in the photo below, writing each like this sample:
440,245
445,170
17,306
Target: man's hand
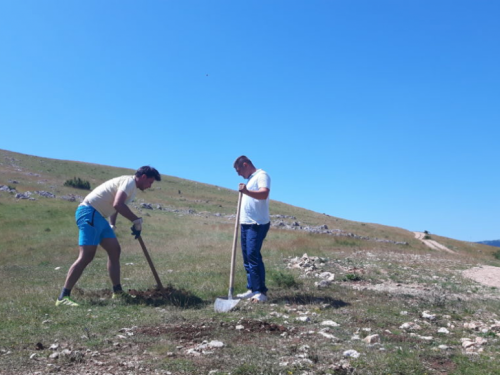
135,232
138,224
136,228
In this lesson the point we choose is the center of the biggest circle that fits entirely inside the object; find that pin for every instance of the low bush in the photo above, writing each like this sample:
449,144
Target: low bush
78,183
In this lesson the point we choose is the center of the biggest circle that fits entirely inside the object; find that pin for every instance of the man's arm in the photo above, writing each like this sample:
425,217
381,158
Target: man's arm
112,219
260,194
121,208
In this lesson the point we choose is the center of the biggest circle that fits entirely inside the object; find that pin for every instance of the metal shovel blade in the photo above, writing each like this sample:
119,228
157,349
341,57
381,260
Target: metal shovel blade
222,305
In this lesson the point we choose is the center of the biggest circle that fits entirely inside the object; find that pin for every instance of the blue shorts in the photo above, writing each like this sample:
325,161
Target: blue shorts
93,227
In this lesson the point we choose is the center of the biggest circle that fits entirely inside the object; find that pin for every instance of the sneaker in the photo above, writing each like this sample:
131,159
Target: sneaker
246,295
66,301
122,295
259,297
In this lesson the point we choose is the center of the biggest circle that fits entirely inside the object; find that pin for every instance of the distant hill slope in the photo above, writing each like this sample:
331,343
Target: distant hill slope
27,178
491,243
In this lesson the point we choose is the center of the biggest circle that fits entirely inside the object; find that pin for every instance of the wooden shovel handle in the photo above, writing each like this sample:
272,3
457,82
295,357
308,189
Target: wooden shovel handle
235,242
150,262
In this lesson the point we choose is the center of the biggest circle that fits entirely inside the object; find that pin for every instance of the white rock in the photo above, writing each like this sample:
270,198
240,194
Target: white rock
428,315
239,327
351,353
372,339
303,319
193,352
327,335
410,326
467,344
328,276
329,323
481,341
471,325
443,330
322,283
215,344
443,347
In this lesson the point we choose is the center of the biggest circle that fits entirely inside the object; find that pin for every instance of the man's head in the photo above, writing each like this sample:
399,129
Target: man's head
244,166
145,176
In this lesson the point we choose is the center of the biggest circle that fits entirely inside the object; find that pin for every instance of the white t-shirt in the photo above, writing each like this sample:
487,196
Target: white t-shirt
256,211
103,196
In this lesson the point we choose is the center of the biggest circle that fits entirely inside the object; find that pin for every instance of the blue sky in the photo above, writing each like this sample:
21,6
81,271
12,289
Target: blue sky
374,111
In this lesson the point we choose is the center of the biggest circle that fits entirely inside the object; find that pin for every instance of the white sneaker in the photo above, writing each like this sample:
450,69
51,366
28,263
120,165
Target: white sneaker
259,297
246,295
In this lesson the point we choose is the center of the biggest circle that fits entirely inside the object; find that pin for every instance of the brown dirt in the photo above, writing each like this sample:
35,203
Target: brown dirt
168,296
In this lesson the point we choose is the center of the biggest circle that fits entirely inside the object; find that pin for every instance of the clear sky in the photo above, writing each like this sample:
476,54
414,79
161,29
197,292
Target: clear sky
382,111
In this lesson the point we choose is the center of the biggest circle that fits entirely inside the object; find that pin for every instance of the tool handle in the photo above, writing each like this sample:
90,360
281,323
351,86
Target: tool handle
233,252
150,262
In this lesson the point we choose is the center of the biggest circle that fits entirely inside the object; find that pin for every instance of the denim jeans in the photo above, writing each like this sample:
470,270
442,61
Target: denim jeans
252,237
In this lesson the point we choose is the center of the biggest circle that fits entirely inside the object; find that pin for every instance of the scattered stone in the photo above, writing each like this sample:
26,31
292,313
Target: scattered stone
429,316
7,189
372,339
329,323
410,326
351,353
327,335
467,344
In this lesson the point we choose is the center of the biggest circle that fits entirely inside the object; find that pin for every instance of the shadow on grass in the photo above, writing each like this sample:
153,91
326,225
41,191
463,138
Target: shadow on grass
150,297
168,296
307,299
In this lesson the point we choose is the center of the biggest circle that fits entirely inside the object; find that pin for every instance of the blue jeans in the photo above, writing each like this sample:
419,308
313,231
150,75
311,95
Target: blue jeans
252,237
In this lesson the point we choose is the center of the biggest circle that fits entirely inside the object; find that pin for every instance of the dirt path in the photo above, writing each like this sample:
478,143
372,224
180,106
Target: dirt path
431,243
486,275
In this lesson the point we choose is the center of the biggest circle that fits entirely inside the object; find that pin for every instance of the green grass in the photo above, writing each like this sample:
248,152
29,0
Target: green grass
374,283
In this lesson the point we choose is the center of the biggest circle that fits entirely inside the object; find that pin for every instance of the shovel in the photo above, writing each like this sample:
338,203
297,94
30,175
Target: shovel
151,265
226,304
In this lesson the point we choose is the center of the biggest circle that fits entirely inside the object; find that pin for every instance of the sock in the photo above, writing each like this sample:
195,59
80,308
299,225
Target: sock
64,293
117,288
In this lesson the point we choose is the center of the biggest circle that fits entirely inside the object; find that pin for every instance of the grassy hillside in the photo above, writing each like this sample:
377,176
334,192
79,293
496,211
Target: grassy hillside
384,278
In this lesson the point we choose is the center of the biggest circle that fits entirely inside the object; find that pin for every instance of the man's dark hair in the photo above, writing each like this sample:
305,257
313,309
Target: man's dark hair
149,172
242,159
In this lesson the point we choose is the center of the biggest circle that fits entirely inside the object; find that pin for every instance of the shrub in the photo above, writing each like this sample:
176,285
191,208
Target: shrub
352,277
78,183
497,254
283,279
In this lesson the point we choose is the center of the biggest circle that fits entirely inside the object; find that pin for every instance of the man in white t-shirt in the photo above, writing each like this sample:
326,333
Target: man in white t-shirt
255,222
107,200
